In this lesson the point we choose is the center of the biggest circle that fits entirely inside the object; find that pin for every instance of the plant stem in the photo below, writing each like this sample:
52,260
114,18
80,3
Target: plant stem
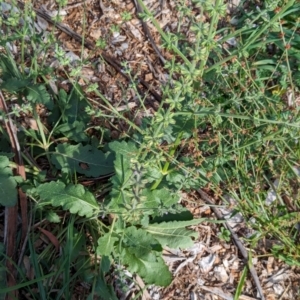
167,164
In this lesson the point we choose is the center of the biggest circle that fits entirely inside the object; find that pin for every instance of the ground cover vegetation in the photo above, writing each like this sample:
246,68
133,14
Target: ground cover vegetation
228,122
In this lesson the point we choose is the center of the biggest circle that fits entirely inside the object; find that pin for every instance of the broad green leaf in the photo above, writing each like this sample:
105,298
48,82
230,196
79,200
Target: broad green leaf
153,272
122,176
106,244
162,196
75,106
73,131
118,198
38,94
4,142
181,214
104,290
52,216
4,165
14,84
72,197
128,149
105,264
153,173
176,177
63,98
141,253
124,153
140,243
8,191
174,234
85,160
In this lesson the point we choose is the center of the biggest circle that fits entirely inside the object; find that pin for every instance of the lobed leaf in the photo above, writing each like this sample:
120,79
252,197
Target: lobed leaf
174,234
140,252
74,105
72,197
106,244
162,196
153,272
140,242
37,93
52,216
73,131
124,153
85,160
14,84
8,184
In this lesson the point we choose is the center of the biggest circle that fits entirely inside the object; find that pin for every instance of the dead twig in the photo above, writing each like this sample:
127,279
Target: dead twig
236,240
148,33
73,5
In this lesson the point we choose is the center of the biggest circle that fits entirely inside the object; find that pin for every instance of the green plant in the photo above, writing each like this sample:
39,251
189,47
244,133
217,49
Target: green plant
8,182
101,43
224,234
126,16
115,28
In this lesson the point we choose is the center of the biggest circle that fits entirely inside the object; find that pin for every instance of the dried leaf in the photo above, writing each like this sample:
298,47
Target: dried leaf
52,238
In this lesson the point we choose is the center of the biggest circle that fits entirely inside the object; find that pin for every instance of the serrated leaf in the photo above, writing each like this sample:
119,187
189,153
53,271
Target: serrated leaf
140,243
122,172
85,160
118,198
162,196
4,166
74,131
181,214
8,191
72,197
153,173
121,193
128,149
141,253
105,291
124,153
52,216
175,177
38,94
14,84
4,143
63,98
75,106
174,234
106,244
153,272
105,264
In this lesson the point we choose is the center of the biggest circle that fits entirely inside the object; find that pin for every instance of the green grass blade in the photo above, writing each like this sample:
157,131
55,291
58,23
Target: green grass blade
241,284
